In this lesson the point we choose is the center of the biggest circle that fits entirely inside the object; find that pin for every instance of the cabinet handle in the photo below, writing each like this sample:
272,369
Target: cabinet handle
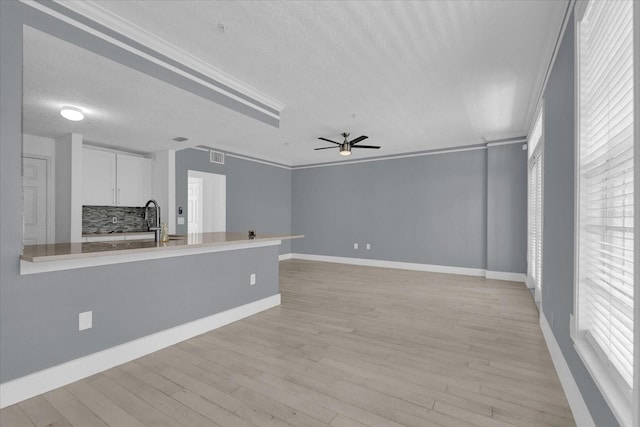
113,195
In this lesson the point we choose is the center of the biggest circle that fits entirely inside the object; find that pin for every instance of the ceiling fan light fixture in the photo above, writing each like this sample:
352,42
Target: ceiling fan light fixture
72,113
345,149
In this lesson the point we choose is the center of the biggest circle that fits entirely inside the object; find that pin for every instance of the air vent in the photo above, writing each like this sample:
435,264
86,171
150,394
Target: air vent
216,157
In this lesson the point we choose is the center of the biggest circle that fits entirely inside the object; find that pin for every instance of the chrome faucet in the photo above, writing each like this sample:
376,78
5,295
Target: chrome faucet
156,228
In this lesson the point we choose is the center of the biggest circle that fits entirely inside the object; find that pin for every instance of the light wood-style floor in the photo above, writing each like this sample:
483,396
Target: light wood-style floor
349,346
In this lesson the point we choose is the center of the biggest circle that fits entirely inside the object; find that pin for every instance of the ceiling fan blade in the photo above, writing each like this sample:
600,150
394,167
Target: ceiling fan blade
358,139
324,148
366,146
328,140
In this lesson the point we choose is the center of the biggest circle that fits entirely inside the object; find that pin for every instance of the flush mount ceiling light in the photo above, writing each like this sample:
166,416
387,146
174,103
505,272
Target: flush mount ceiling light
72,113
345,149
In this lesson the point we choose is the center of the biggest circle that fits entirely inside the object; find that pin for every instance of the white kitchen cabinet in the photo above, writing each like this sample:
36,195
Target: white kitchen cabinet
99,172
134,180
115,179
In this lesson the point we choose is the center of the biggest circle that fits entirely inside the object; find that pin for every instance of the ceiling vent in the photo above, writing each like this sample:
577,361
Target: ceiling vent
216,157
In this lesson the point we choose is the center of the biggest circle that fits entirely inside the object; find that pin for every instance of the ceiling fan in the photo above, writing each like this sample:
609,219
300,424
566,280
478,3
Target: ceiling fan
346,146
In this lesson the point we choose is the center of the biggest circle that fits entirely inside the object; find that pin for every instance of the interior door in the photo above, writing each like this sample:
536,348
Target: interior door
34,199
194,205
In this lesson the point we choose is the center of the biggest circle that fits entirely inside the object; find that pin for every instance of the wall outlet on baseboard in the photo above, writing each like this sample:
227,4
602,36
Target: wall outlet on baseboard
252,279
85,320
355,246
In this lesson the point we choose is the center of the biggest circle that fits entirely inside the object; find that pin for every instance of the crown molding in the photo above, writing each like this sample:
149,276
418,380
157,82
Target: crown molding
507,141
393,157
547,66
157,50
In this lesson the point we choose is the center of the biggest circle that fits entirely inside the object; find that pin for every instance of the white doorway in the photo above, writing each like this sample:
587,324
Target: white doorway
35,178
207,202
194,205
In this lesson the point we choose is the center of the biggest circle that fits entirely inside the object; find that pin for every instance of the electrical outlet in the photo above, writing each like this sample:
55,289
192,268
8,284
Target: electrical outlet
85,320
252,279
368,246
180,220
355,246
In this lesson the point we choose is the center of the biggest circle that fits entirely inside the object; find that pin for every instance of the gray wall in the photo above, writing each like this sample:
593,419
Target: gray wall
434,209
429,209
558,235
258,195
39,312
507,208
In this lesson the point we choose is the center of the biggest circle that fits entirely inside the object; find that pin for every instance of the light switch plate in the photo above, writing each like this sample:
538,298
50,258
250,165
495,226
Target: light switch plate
180,220
85,320
355,246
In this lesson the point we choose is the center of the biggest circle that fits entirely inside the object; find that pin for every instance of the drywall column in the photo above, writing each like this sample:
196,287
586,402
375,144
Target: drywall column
68,177
506,208
163,186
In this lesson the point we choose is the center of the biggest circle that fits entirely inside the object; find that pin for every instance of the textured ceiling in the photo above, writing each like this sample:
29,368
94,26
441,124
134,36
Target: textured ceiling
410,75
124,108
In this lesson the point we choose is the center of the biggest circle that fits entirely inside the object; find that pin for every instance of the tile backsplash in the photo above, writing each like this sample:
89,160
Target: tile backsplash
100,219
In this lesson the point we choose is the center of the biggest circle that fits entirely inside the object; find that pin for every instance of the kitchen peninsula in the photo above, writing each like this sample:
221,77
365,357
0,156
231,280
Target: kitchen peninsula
63,256
141,296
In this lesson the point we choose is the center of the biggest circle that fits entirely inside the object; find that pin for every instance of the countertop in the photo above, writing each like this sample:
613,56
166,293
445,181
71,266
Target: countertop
70,251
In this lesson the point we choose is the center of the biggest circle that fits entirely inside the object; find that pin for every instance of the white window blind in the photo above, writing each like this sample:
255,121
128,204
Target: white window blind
535,208
606,199
532,223
536,135
538,219
535,223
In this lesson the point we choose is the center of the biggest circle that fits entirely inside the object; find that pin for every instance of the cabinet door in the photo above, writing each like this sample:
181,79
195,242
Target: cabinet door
134,180
99,173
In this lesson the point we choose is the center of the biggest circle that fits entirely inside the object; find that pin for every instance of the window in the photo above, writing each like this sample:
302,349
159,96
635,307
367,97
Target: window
534,277
605,327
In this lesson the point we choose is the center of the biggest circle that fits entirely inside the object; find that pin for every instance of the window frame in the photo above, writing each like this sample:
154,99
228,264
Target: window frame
625,408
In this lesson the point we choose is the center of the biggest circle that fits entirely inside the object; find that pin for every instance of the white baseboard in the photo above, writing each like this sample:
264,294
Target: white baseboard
393,264
48,379
579,408
284,257
503,275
